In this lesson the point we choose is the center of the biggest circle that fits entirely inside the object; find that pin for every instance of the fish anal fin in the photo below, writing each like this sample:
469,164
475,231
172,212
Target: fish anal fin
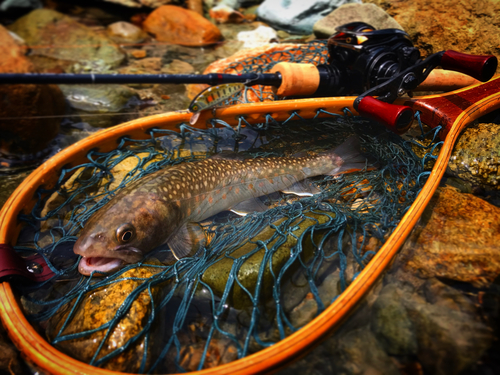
302,188
248,206
187,241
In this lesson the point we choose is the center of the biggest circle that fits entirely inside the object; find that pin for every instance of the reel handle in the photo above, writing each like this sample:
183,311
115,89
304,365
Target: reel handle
481,67
397,118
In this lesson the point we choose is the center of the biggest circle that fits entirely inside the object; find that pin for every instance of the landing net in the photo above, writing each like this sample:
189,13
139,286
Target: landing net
260,278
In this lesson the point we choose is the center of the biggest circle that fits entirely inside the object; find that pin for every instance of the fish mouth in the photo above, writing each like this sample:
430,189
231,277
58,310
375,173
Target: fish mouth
88,265
103,264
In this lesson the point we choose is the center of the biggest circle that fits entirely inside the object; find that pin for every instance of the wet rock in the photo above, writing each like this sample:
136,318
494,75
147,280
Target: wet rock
476,157
224,14
391,324
369,13
21,135
436,26
261,36
100,99
296,16
219,351
100,306
177,25
195,6
124,32
216,276
449,340
457,240
8,4
61,34
304,312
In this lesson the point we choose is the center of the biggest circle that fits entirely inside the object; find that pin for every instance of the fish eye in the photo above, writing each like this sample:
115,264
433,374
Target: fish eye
125,233
194,108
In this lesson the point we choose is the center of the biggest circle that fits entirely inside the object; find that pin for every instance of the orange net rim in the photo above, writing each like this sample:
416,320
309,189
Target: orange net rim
37,350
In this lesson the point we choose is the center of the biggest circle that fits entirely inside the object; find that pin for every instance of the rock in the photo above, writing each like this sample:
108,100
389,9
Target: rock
391,324
304,312
216,276
435,26
21,134
176,25
99,98
259,37
8,4
219,352
369,13
224,14
10,360
195,6
97,308
61,34
449,339
297,16
139,53
124,32
475,157
457,240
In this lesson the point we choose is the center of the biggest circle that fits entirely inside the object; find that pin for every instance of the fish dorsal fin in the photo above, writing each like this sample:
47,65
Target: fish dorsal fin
228,155
302,188
248,206
187,240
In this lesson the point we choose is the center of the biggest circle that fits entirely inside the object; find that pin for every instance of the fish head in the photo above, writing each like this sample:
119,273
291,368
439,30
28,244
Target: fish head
119,234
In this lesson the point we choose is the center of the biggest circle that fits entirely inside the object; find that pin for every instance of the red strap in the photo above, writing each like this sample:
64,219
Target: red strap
13,266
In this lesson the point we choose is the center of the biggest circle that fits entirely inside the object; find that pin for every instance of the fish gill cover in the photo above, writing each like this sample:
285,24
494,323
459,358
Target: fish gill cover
258,279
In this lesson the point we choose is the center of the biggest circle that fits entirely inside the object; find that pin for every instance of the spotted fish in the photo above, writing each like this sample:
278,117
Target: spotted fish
211,97
165,206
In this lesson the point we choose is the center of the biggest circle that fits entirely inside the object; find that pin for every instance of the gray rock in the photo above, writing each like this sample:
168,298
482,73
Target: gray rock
297,16
391,324
369,13
7,4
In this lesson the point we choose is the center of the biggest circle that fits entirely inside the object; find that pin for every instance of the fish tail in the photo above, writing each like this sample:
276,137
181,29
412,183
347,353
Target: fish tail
348,158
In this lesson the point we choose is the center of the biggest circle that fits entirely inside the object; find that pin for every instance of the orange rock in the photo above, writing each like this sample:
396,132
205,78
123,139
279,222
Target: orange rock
457,239
13,59
139,53
177,25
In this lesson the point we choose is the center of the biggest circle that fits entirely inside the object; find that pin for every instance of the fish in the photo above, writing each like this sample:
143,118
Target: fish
166,207
211,97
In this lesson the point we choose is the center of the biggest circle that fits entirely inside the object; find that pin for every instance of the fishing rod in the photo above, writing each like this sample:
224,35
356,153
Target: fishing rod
362,61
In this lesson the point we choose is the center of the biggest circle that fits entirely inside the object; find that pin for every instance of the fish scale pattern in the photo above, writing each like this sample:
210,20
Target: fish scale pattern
248,286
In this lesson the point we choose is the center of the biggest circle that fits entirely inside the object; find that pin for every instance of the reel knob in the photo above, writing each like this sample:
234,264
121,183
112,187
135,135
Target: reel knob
397,118
479,67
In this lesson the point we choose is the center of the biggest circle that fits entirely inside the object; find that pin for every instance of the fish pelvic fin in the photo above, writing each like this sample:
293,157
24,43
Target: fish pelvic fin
348,157
248,206
187,241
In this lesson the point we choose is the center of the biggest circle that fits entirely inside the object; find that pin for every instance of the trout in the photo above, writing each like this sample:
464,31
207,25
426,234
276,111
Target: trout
165,206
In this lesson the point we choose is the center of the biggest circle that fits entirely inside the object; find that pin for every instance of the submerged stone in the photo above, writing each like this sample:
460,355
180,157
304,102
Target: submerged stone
457,239
177,25
99,307
125,32
65,42
217,275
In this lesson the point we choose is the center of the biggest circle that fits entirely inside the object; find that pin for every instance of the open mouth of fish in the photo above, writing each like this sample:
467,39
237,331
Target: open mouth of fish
102,264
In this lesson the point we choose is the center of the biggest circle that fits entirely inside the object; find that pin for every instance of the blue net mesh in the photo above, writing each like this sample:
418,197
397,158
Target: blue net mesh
260,277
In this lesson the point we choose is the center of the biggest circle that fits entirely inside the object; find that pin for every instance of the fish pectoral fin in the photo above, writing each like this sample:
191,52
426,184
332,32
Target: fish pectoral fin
303,188
187,241
248,206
